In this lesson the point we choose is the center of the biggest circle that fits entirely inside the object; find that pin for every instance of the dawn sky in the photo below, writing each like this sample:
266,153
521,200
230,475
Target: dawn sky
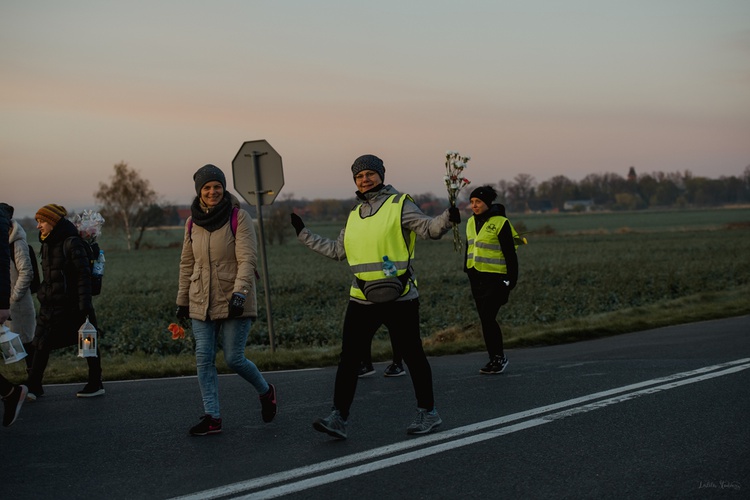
539,87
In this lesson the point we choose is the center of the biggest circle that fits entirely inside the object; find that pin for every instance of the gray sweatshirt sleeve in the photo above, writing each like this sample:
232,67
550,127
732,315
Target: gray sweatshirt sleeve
333,249
424,226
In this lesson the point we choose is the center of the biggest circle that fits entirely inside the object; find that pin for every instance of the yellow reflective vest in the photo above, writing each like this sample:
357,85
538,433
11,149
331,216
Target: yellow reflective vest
367,240
483,249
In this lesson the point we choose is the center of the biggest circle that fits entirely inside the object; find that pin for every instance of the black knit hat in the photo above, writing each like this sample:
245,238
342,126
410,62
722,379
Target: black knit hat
369,162
208,173
485,193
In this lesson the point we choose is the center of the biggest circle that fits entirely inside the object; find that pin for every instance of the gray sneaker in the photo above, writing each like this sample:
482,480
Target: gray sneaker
333,425
425,422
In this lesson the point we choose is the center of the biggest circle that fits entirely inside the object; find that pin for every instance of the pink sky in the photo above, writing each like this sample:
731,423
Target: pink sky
539,87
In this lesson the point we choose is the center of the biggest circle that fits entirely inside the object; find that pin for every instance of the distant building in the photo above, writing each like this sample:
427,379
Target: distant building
540,206
578,205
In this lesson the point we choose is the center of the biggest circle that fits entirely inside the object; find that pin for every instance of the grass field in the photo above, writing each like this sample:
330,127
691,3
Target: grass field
582,276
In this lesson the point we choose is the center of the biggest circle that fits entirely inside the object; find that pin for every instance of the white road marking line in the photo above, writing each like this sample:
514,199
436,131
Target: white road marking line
454,439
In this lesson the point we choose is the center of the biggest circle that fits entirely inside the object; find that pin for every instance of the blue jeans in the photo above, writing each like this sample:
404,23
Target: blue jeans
235,333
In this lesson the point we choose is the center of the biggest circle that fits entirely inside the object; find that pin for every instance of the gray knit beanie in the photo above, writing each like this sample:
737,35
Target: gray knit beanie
369,162
206,174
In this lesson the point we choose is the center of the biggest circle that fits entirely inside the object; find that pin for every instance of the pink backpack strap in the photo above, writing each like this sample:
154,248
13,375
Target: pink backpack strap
234,220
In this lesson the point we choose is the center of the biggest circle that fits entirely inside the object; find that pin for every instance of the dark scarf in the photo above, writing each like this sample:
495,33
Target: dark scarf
371,193
214,218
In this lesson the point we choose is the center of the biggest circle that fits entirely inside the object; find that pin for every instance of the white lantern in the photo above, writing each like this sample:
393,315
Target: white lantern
87,340
11,345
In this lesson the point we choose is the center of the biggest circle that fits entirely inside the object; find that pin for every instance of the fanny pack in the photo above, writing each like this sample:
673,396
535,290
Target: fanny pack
385,289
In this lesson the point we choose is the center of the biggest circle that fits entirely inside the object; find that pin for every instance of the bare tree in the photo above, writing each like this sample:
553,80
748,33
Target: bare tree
128,197
521,191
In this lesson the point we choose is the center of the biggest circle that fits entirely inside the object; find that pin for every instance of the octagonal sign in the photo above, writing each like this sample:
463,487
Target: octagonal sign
257,171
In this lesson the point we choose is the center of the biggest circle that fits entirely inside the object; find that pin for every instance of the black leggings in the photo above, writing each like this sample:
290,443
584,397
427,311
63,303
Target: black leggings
41,358
360,324
490,293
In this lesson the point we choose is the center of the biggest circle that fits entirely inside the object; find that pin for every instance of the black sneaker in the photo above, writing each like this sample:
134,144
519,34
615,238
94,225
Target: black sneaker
268,404
91,390
208,425
366,370
495,366
394,370
13,404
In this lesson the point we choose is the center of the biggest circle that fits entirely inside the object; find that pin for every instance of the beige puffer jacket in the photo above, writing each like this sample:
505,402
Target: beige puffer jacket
216,264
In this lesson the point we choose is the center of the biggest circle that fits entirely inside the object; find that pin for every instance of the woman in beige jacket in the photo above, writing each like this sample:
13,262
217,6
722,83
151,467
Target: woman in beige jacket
217,292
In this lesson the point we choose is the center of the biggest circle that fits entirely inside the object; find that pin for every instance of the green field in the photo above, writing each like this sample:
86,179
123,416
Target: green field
582,276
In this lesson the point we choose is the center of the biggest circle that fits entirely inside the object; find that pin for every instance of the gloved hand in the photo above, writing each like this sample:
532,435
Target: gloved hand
85,306
297,223
183,312
236,305
454,215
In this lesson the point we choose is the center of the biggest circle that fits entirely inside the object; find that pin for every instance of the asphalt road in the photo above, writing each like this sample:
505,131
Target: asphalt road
655,414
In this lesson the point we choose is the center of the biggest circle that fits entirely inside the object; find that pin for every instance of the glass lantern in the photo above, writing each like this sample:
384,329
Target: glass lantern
87,340
11,346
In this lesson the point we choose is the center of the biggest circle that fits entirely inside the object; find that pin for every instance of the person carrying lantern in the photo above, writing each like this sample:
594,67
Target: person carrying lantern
13,395
64,296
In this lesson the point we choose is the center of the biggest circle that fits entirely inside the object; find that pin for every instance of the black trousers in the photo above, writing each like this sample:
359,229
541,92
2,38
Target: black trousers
41,358
360,324
490,293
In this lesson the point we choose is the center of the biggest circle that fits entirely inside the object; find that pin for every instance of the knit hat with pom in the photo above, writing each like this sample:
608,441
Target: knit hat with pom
51,213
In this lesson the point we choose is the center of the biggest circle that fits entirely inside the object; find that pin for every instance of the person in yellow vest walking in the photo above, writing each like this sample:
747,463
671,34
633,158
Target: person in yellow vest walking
378,244
491,264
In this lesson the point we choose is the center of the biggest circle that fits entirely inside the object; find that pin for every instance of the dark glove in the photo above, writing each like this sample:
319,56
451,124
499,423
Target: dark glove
454,215
236,305
297,223
85,306
183,312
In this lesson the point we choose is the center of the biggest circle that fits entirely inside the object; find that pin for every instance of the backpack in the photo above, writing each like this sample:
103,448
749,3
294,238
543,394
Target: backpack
233,223
92,252
35,281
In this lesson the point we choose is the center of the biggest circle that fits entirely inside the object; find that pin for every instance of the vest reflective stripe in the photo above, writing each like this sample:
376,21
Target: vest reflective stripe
484,252
368,239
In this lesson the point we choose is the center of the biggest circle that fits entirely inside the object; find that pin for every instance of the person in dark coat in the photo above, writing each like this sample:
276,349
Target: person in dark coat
13,395
64,298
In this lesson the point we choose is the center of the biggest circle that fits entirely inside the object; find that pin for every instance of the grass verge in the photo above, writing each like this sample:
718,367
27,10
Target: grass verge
64,367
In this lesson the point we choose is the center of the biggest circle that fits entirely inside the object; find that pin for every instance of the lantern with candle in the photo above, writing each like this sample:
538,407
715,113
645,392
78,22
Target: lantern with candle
11,346
87,340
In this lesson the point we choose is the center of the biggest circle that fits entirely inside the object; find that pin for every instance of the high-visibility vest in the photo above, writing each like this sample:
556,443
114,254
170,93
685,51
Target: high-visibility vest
367,240
484,253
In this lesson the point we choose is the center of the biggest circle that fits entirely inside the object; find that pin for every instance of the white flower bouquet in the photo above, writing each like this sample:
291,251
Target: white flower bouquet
455,164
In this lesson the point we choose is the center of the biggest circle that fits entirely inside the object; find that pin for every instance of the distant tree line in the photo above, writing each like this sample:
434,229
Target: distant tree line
129,203
613,192
595,191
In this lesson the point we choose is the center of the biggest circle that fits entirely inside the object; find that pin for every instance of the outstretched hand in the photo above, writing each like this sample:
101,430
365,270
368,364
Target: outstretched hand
297,223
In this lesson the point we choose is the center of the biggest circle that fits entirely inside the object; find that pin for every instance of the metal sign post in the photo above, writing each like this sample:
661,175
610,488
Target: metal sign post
255,155
265,182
